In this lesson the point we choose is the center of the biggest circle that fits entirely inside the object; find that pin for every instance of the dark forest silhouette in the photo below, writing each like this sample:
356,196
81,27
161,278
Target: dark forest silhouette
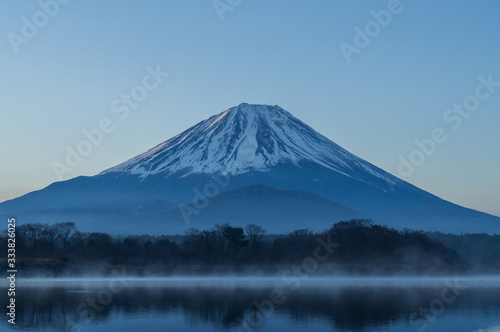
363,247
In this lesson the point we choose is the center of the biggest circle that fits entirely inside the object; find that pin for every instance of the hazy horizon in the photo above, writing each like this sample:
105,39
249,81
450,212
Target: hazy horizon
375,103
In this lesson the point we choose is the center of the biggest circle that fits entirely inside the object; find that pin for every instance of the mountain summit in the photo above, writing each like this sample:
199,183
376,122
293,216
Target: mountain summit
248,138
250,163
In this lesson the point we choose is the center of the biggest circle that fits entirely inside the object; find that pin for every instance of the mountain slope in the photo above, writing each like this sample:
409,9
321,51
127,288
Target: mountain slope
262,205
244,138
243,147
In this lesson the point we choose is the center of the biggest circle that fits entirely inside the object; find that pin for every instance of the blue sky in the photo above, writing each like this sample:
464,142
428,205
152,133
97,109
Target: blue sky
86,54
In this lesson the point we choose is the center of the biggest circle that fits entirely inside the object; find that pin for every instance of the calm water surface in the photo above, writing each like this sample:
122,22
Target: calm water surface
246,304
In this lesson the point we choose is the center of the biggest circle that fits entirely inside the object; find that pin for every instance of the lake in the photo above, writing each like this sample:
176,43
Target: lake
257,304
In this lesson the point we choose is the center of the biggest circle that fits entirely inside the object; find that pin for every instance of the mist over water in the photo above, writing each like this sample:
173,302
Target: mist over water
233,303
258,281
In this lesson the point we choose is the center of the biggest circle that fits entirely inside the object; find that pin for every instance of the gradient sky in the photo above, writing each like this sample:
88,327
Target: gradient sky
279,52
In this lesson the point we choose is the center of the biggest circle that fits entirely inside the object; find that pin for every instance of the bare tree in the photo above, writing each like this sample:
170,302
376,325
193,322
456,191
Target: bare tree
299,234
49,237
219,230
67,233
34,234
256,235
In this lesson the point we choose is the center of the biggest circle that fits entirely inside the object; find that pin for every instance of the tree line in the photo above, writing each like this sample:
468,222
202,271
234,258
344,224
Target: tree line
363,247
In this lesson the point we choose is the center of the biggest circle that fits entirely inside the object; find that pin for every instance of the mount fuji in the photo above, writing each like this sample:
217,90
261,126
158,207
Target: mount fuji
249,164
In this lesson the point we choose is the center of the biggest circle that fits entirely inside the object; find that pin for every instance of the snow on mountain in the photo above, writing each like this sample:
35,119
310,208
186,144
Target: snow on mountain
278,171
244,138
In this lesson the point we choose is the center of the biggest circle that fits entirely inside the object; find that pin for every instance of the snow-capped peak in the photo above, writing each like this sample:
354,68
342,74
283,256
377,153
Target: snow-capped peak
244,138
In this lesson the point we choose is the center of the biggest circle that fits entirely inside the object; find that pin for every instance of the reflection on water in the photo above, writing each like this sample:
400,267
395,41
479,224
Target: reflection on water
207,307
